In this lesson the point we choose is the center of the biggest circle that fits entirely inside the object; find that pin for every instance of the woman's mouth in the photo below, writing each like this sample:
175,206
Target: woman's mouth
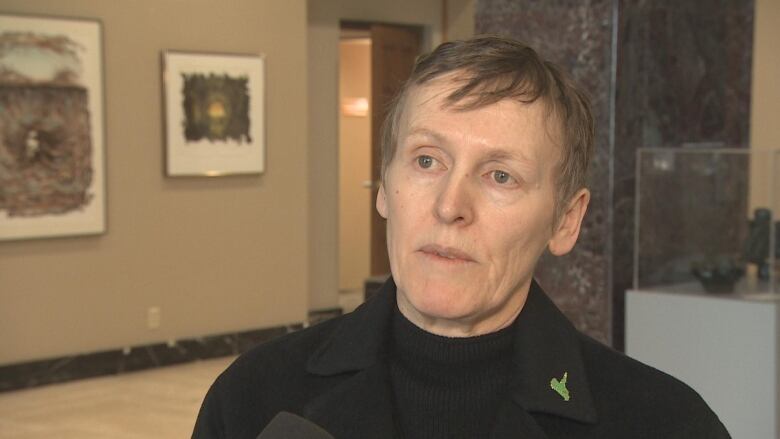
446,254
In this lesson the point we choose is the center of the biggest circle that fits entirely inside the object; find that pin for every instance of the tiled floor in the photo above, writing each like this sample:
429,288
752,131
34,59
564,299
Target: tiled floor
159,403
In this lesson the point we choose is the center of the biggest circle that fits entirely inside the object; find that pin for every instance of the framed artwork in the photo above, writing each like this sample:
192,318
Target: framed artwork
214,114
52,166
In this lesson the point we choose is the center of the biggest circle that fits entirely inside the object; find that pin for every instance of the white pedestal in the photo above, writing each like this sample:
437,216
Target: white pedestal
724,346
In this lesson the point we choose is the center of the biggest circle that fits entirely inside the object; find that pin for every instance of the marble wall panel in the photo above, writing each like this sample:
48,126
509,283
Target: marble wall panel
577,35
680,74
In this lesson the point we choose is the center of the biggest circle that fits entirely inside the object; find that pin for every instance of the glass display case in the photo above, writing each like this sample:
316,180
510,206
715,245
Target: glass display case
707,221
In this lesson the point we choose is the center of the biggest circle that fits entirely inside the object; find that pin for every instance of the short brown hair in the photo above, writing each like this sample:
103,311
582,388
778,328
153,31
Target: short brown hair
491,69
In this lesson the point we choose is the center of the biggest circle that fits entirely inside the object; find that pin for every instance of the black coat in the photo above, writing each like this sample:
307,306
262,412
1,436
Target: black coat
335,374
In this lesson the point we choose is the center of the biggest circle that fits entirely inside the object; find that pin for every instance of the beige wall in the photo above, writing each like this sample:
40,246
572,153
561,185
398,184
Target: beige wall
215,254
354,166
765,101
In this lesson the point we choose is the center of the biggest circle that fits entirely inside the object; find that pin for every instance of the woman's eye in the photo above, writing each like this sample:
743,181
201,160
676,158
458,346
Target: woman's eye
501,177
425,161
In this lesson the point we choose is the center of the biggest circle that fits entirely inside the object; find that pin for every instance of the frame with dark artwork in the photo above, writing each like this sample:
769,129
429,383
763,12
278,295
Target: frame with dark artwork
214,114
52,180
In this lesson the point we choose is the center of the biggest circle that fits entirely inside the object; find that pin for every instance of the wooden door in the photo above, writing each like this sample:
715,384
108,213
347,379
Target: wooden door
393,51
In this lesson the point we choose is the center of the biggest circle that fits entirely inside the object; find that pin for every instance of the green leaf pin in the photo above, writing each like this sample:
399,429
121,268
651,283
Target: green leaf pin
560,386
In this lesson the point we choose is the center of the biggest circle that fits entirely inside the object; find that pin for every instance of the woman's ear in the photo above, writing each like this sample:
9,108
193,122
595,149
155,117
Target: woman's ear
381,201
568,229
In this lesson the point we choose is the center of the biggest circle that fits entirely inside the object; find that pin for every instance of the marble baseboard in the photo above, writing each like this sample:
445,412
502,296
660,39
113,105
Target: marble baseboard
111,362
321,315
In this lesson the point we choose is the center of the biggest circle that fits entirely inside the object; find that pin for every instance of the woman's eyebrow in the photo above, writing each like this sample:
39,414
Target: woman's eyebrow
501,154
426,132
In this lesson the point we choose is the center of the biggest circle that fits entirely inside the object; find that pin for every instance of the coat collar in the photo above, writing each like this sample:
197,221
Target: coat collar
546,347
360,339
360,406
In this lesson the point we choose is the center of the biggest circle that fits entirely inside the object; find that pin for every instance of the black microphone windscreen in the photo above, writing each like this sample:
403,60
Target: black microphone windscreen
289,426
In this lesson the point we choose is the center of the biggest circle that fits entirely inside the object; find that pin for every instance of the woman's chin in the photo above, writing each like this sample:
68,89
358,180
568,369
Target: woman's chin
440,304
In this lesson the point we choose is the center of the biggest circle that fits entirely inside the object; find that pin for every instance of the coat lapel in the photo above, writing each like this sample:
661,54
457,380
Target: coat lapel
513,422
548,348
360,407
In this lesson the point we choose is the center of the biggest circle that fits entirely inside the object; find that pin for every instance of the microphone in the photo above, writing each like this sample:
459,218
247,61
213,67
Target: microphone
286,425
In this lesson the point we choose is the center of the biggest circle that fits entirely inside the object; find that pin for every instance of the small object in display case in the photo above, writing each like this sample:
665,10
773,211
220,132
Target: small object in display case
705,220
757,246
718,276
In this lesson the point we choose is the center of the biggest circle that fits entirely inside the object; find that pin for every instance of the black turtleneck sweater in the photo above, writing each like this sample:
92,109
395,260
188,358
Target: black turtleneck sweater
448,387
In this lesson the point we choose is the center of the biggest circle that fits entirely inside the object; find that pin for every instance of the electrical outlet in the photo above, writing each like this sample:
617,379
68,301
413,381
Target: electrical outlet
153,317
